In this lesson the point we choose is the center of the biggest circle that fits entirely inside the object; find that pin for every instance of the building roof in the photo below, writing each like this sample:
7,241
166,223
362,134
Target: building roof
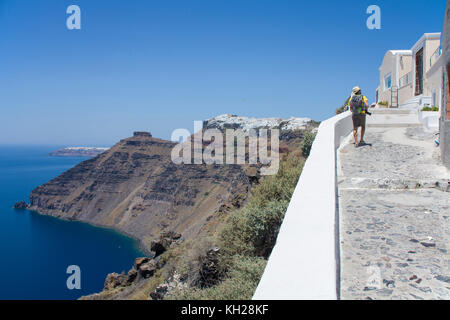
401,52
415,47
426,36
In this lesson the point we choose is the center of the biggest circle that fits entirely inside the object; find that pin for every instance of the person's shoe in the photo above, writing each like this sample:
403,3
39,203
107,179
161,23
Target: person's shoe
362,143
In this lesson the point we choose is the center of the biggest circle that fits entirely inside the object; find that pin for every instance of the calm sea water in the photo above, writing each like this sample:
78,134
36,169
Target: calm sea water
36,250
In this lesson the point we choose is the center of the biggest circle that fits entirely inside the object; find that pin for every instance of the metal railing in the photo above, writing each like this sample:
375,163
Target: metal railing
435,56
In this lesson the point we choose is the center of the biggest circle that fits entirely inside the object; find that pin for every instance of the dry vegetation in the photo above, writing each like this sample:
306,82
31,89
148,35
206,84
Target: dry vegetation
245,238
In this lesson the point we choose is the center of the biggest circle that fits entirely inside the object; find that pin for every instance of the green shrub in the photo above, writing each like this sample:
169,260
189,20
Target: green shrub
427,108
383,103
233,238
340,109
307,142
253,229
265,224
239,284
281,185
343,107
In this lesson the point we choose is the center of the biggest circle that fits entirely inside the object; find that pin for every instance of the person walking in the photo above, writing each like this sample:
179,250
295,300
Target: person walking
358,105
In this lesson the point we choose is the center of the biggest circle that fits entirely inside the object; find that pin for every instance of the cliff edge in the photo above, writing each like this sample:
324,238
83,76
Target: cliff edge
135,188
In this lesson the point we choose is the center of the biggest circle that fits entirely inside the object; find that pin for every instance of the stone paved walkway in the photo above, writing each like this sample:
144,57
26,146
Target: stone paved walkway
394,201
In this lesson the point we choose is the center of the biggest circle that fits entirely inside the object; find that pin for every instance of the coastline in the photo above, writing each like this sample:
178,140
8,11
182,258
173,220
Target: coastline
139,243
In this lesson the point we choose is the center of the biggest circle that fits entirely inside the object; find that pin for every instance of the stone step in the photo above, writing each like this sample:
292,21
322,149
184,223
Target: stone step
393,119
348,183
393,125
391,111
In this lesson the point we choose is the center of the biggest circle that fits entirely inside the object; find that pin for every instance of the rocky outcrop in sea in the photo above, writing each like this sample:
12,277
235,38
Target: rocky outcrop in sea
78,152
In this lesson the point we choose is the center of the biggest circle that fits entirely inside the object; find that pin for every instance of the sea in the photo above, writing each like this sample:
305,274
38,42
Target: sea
36,251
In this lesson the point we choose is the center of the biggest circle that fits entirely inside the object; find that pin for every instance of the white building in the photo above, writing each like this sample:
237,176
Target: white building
409,78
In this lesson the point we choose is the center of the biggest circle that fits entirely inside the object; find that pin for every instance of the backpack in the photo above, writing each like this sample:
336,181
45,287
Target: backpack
356,104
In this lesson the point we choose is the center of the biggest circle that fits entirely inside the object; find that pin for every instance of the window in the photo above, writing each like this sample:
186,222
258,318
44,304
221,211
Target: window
387,81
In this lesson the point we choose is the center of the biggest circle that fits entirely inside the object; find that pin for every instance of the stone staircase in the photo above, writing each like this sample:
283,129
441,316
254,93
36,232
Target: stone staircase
416,103
384,117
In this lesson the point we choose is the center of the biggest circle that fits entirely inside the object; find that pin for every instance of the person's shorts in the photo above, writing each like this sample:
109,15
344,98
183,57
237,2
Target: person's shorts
359,120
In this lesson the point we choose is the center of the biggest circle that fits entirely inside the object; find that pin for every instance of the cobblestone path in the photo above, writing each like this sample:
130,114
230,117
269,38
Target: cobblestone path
394,216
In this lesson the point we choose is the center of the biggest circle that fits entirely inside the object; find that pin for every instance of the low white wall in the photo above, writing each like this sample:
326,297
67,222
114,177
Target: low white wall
430,119
304,263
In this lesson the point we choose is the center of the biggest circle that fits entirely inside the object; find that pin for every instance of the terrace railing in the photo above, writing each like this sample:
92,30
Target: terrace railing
435,56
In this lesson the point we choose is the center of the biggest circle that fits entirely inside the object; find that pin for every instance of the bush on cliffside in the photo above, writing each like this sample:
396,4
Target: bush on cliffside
253,229
307,143
343,108
239,284
249,235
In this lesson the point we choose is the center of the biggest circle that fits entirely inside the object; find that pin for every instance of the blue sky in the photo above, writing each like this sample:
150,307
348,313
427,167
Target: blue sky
160,65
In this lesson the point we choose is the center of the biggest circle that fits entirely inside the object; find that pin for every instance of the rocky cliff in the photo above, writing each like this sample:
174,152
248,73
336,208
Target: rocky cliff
135,188
172,209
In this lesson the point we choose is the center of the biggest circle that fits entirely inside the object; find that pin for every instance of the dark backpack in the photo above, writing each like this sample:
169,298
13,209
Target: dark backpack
356,103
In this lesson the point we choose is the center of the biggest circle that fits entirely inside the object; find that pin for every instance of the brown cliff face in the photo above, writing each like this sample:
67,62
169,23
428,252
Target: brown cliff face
135,188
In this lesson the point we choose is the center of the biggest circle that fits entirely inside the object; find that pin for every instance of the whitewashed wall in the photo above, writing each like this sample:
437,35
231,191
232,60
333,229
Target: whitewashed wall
430,119
305,260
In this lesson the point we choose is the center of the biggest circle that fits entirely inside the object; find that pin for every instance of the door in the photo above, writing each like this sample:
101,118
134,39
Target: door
419,72
447,115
